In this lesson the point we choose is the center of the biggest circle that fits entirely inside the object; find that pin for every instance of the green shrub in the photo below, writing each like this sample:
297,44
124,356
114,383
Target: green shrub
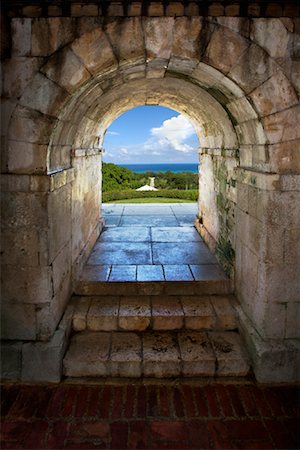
111,196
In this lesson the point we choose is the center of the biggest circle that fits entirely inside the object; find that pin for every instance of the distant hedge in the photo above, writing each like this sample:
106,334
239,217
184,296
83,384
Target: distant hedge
110,196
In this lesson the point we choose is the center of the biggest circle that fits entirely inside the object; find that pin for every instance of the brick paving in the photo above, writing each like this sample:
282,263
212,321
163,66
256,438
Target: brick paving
185,415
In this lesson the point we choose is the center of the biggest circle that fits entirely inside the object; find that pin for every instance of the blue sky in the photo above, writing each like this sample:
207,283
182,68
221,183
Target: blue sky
151,134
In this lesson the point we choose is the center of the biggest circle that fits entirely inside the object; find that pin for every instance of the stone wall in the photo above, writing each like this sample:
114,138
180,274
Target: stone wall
237,79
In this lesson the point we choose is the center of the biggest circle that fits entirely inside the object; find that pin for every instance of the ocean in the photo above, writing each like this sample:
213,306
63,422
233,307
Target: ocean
177,168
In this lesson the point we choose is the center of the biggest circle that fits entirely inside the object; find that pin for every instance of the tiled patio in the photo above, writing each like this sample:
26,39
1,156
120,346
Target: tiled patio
152,242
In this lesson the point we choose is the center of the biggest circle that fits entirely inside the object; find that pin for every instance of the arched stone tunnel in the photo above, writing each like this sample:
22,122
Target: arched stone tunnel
235,78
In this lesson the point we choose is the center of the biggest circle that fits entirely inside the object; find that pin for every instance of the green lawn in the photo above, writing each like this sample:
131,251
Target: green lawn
152,200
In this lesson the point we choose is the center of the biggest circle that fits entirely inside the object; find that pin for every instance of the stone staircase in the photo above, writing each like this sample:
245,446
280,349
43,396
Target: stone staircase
155,329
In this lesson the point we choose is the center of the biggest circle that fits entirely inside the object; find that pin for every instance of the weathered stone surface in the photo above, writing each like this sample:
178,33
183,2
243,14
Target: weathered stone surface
28,126
127,40
125,360
87,355
21,36
50,34
198,313
186,37
271,35
103,314
17,73
23,209
158,37
61,267
197,355
285,157
160,355
274,95
11,357
231,358
283,126
94,49
81,308
18,321
251,132
226,318
66,69
242,110
167,313
293,320
44,96
135,313
253,68
20,248
225,48
26,157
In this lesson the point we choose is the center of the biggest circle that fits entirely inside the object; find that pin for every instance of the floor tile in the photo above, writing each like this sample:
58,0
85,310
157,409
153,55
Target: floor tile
175,234
123,273
112,209
185,220
185,208
149,221
208,272
125,234
95,273
178,272
112,221
120,253
181,252
150,273
149,209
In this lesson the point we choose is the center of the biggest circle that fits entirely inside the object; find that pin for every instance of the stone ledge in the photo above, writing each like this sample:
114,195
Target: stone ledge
36,183
86,152
268,181
273,361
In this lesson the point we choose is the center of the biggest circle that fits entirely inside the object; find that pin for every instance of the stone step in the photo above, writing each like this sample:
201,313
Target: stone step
158,313
156,354
88,286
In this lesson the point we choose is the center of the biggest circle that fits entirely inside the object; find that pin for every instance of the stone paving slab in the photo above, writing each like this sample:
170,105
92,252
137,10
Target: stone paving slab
125,234
177,272
149,221
118,253
183,252
150,414
163,354
175,234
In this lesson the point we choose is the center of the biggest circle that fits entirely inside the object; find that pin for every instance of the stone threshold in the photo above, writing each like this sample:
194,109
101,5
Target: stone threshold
156,354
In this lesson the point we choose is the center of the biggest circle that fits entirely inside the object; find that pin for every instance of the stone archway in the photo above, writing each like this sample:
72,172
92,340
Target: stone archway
62,94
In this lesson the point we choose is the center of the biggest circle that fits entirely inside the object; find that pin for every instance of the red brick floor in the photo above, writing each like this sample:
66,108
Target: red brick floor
150,416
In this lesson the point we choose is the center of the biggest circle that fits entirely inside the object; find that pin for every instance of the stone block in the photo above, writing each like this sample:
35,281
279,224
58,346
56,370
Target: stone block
42,362
66,69
158,37
25,157
198,313
24,209
293,320
161,356
115,9
94,49
15,183
134,9
186,42
32,11
17,74
61,267
242,110
282,126
238,24
30,126
155,9
18,321
60,218
11,358
167,313
50,34
275,94
231,357
292,246
175,9
126,360
87,355
197,356
216,9
20,248
207,76
285,157
21,36
127,40
103,314
135,313
225,48
225,313
252,69
271,35
251,132
81,308
44,96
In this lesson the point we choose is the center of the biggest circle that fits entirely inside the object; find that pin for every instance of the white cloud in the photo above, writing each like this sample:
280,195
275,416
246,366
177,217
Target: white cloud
113,133
172,135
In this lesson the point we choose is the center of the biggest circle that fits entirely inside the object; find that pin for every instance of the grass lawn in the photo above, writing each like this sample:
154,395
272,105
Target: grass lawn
152,200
